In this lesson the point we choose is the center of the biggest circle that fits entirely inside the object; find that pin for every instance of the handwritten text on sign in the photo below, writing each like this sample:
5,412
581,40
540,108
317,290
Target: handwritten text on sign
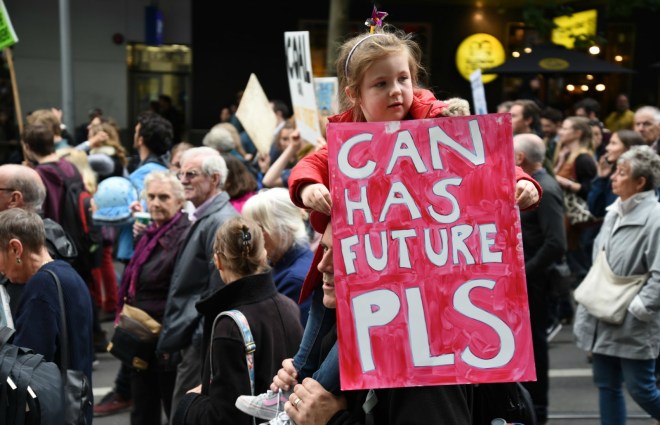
429,271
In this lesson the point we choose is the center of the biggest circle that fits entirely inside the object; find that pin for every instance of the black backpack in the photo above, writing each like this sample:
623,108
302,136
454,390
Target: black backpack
507,400
30,388
77,221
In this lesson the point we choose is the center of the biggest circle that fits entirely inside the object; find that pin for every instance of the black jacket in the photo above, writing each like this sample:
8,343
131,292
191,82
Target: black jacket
274,321
437,405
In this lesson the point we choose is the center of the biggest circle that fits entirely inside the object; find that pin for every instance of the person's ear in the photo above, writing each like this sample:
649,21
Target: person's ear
16,247
350,94
218,262
640,183
215,178
16,200
519,158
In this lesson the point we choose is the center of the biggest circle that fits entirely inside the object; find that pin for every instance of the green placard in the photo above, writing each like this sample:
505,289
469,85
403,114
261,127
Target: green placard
7,34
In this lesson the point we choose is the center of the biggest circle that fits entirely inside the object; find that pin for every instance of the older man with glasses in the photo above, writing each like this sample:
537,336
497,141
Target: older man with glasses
203,174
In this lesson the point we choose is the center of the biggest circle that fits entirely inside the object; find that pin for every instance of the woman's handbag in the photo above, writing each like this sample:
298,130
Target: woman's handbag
135,338
77,389
605,295
576,208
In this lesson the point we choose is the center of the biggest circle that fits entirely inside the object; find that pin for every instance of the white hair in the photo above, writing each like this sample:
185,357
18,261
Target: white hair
212,162
278,216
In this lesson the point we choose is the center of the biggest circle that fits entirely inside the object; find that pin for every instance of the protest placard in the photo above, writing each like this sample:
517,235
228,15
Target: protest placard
301,85
256,115
478,93
429,267
8,36
326,95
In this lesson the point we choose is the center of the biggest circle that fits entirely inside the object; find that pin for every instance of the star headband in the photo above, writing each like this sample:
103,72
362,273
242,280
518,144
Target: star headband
376,21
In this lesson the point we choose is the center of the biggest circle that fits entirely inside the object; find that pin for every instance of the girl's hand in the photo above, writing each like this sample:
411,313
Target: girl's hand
317,197
286,377
98,139
263,159
526,194
604,168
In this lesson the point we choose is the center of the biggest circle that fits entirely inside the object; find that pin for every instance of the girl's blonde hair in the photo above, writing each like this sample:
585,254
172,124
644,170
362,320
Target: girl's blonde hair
113,139
357,54
239,243
79,159
586,139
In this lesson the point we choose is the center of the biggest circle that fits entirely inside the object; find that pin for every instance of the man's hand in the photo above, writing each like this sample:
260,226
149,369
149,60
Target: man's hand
286,377
526,194
317,197
311,404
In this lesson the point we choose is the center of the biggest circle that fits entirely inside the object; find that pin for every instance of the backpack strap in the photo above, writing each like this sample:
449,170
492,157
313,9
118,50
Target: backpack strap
64,337
250,346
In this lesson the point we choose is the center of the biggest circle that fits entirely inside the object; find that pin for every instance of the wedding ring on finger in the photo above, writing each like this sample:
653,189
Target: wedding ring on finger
297,402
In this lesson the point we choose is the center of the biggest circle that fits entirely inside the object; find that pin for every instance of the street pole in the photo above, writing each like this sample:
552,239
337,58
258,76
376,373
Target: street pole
66,66
337,26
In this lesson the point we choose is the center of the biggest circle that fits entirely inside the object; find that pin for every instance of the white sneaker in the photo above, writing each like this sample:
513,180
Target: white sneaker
281,419
265,405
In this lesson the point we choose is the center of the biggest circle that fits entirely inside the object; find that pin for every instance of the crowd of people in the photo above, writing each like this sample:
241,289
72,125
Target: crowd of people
579,160
232,228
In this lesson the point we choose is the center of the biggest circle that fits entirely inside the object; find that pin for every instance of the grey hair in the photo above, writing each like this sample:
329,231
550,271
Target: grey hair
531,145
165,176
24,225
643,162
25,180
219,138
212,162
651,110
278,216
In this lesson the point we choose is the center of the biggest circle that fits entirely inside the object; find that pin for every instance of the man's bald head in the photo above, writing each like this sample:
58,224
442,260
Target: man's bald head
531,146
21,187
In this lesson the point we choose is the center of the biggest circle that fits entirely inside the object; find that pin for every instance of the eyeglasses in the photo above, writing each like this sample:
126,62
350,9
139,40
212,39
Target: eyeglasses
10,189
189,175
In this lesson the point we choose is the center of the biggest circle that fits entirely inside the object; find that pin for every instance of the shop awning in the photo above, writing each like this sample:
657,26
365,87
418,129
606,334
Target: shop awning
555,59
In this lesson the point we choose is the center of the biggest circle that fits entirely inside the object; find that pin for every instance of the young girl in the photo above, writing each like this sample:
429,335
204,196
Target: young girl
378,79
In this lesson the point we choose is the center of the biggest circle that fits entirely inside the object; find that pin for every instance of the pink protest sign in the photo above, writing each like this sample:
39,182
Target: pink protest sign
429,268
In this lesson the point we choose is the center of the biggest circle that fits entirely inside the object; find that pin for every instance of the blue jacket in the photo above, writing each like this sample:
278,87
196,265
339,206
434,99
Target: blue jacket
289,274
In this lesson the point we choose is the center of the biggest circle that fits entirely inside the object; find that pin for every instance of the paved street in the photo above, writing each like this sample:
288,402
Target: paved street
573,397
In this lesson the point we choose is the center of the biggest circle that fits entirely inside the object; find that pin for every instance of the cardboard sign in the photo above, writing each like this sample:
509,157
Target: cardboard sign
478,93
301,85
326,95
8,36
256,115
428,260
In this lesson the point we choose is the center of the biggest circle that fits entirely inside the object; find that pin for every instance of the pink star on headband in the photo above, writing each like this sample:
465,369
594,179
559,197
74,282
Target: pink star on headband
376,19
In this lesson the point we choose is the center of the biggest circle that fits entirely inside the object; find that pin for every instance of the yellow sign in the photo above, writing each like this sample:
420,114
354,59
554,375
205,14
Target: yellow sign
553,64
570,26
479,51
